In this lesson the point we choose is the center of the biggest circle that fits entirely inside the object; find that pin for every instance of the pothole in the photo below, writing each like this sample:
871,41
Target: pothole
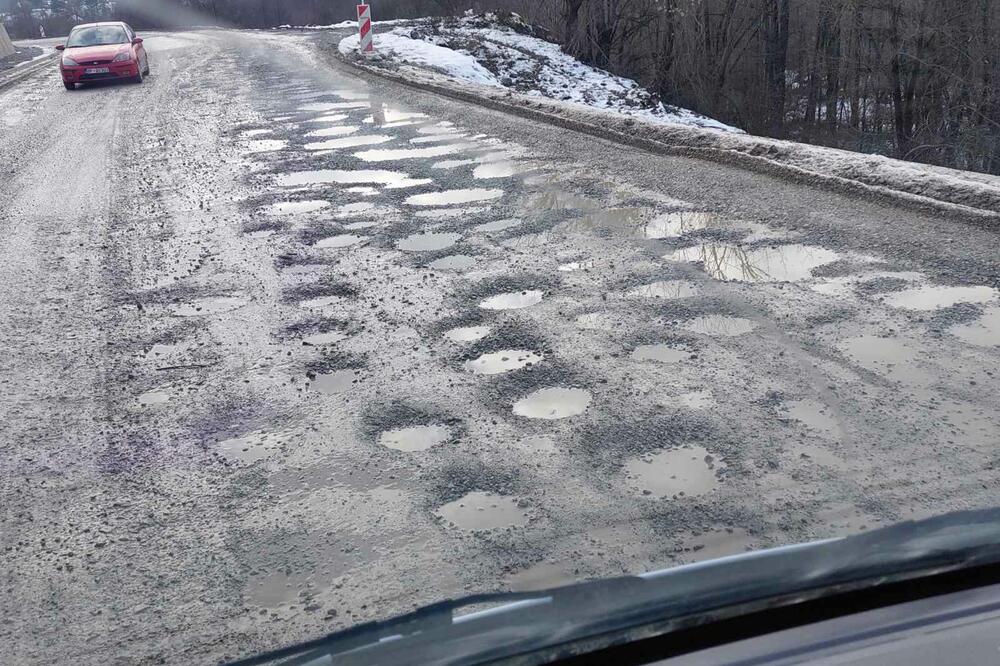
720,326
495,170
481,510
320,339
428,242
553,403
454,262
984,332
934,297
332,383
340,241
675,225
453,197
666,289
502,361
815,415
784,263
415,438
336,130
674,473
349,142
467,333
496,226
296,207
250,448
359,177
514,300
660,353
154,397
391,155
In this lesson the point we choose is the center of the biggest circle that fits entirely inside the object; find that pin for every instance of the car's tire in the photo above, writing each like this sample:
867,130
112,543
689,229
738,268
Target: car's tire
69,86
146,73
137,78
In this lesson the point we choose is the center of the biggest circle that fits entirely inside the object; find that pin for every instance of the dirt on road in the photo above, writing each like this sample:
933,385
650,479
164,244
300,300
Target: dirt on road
282,350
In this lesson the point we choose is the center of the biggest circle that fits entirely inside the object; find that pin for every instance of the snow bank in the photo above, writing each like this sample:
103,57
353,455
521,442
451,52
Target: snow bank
417,52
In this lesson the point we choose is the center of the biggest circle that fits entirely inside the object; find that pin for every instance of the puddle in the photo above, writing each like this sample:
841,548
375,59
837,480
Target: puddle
154,397
815,415
934,297
502,361
363,191
340,241
409,182
250,448
452,197
553,403
350,94
541,576
347,105
514,300
416,438
454,262
984,332
720,325
391,155
661,353
349,142
328,338
893,358
438,138
321,302
494,170
319,107
360,177
336,382
674,225
207,306
666,289
785,263
452,164
249,134
427,242
364,224
296,207
159,352
574,266
499,225
449,213
561,200
483,511
393,116
336,130
673,473
264,145
467,334
333,118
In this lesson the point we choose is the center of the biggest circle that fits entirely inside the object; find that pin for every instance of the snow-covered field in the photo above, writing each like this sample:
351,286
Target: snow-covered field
504,54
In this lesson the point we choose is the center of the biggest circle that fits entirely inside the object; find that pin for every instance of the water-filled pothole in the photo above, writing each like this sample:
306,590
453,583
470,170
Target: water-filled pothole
328,338
340,241
514,300
498,225
428,242
454,262
674,473
661,353
720,325
815,415
251,447
296,207
359,177
481,510
784,263
984,332
348,142
501,169
453,197
666,289
415,438
467,333
335,382
335,130
154,397
394,154
502,361
553,403
933,297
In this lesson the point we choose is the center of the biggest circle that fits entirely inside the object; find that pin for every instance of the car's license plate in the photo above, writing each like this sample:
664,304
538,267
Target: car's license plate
97,70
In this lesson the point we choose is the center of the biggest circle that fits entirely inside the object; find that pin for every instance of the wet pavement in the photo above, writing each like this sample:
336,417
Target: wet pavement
299,350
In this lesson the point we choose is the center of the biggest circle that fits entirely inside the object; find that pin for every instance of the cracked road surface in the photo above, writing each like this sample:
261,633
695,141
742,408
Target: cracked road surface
283,350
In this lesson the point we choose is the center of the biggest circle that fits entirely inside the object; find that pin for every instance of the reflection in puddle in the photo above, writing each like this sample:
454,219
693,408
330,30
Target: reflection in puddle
343,240
498,225
205,306
296,207
502,361
719,325
561,200
815,415
454,262
480,510
265,145
785,263
494,170
666,289
335,382
514,300
467,334
934,297
428,242
348,142
674,225
328,338
984,332
452,197
674,473
250,448
390,155
336,130
661,353
417,438
360,177
553,403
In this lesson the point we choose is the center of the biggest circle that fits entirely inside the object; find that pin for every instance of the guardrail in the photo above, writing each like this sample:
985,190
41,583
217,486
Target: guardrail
16,74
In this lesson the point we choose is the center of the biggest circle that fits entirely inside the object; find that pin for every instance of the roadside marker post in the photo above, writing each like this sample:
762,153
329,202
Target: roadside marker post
367,45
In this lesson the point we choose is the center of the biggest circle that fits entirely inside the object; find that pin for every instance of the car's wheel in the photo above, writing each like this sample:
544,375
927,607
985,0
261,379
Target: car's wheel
69,86
146,73
137,78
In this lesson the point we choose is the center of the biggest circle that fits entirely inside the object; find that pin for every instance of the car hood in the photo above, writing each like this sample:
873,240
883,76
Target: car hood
87,53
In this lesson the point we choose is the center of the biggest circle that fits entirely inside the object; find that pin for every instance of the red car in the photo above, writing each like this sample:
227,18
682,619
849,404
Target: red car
102,51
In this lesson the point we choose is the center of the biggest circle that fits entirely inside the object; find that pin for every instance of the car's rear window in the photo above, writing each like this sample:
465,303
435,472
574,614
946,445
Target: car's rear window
97,36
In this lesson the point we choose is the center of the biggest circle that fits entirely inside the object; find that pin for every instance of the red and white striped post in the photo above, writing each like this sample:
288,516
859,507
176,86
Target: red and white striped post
365,26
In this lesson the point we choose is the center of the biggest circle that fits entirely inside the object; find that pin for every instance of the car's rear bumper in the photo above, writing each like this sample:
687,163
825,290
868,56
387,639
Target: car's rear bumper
116,70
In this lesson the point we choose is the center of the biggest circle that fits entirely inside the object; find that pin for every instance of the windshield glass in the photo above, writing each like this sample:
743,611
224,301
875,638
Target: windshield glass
97,36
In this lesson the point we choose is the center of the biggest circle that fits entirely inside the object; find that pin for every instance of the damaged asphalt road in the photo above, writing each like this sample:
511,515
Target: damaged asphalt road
283,352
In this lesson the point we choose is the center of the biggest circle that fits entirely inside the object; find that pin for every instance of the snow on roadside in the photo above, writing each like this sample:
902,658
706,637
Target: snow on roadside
481,50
